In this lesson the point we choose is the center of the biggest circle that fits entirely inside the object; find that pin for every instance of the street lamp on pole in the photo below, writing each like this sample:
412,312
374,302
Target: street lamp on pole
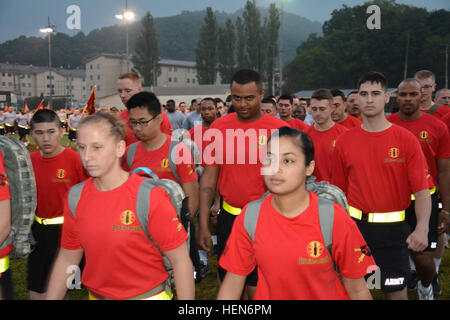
49,29
127,16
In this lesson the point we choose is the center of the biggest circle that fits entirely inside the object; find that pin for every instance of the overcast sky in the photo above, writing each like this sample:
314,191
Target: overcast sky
26,17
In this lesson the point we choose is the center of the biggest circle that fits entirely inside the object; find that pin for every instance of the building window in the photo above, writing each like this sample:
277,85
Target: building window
188,80
175,79
92,77
175,69
98,77
98,66
170,79
91,67
193,80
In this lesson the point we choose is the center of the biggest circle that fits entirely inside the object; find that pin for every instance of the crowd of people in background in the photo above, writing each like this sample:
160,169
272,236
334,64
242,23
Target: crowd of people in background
379,163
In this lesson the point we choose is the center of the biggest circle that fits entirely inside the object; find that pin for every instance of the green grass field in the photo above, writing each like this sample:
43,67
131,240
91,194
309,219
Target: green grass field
207,288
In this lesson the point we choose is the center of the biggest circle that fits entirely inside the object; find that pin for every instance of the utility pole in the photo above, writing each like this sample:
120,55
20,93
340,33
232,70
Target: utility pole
281,46
405,72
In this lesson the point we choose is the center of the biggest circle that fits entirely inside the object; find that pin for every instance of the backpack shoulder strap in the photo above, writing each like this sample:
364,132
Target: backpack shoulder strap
172,157
74,196
251,217
326,217
143,206
130,154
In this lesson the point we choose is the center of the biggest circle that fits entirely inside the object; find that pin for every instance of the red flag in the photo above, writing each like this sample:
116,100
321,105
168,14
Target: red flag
40,106
89,108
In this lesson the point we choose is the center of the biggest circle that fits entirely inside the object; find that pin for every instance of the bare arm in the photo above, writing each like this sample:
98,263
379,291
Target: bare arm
357,289
191,191
231,287
183,272
57,286
418,239
444,192
208,184
5,219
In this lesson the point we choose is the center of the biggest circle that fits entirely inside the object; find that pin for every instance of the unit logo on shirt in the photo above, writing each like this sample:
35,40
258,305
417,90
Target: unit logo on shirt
365,251
333,145
423,136
164,166
61,176
127,217
394,155
60,173
315,249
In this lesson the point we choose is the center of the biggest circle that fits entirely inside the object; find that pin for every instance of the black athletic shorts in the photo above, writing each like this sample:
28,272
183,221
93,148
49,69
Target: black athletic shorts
72,135
23,132
10,129
40,260
2,131
6,285
225,222
387,242
433,225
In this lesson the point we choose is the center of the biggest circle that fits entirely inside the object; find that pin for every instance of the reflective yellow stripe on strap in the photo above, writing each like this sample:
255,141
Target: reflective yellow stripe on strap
58,220
432,191
4,264
163,295
230,209
378,217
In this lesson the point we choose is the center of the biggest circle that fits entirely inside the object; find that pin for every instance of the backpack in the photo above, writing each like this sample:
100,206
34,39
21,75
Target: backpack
178,200
327,194
22,185
172,155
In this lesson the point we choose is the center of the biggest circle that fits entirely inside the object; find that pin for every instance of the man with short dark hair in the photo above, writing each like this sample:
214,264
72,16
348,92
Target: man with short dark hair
239,140
339,114
269,106
442,97
353,105
176,117
194,117
435,142
285,105
324,133
379,165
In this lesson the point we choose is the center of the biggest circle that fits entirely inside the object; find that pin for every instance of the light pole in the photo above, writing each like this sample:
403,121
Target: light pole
281,46
127,16
49,30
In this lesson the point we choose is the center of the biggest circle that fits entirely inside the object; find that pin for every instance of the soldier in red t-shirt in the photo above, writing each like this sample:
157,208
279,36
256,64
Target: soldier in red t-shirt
339,114
6,283
128,84
285,107
56,169
238,140
379,165
427,80
288,247
324,133
121,262
435,142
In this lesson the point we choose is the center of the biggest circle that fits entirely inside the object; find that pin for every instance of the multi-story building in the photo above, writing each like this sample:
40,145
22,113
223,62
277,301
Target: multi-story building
27,81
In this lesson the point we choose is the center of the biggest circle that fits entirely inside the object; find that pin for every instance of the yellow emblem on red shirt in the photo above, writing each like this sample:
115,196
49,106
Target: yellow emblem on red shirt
315,249
60,173
127,217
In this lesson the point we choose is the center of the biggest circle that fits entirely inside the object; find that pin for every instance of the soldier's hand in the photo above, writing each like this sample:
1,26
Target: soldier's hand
418,240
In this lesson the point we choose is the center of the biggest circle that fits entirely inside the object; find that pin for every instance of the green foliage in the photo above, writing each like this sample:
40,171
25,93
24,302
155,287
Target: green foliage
226,51
206,51
177,39
348,48
146,55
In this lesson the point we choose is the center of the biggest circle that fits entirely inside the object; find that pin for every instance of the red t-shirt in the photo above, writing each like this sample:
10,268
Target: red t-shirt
433,137
130,138
324,143
297,124
121,262
351,122
4,195
239,151
446,119
293,262
378,171
157,161
196,134
440,112
54,177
